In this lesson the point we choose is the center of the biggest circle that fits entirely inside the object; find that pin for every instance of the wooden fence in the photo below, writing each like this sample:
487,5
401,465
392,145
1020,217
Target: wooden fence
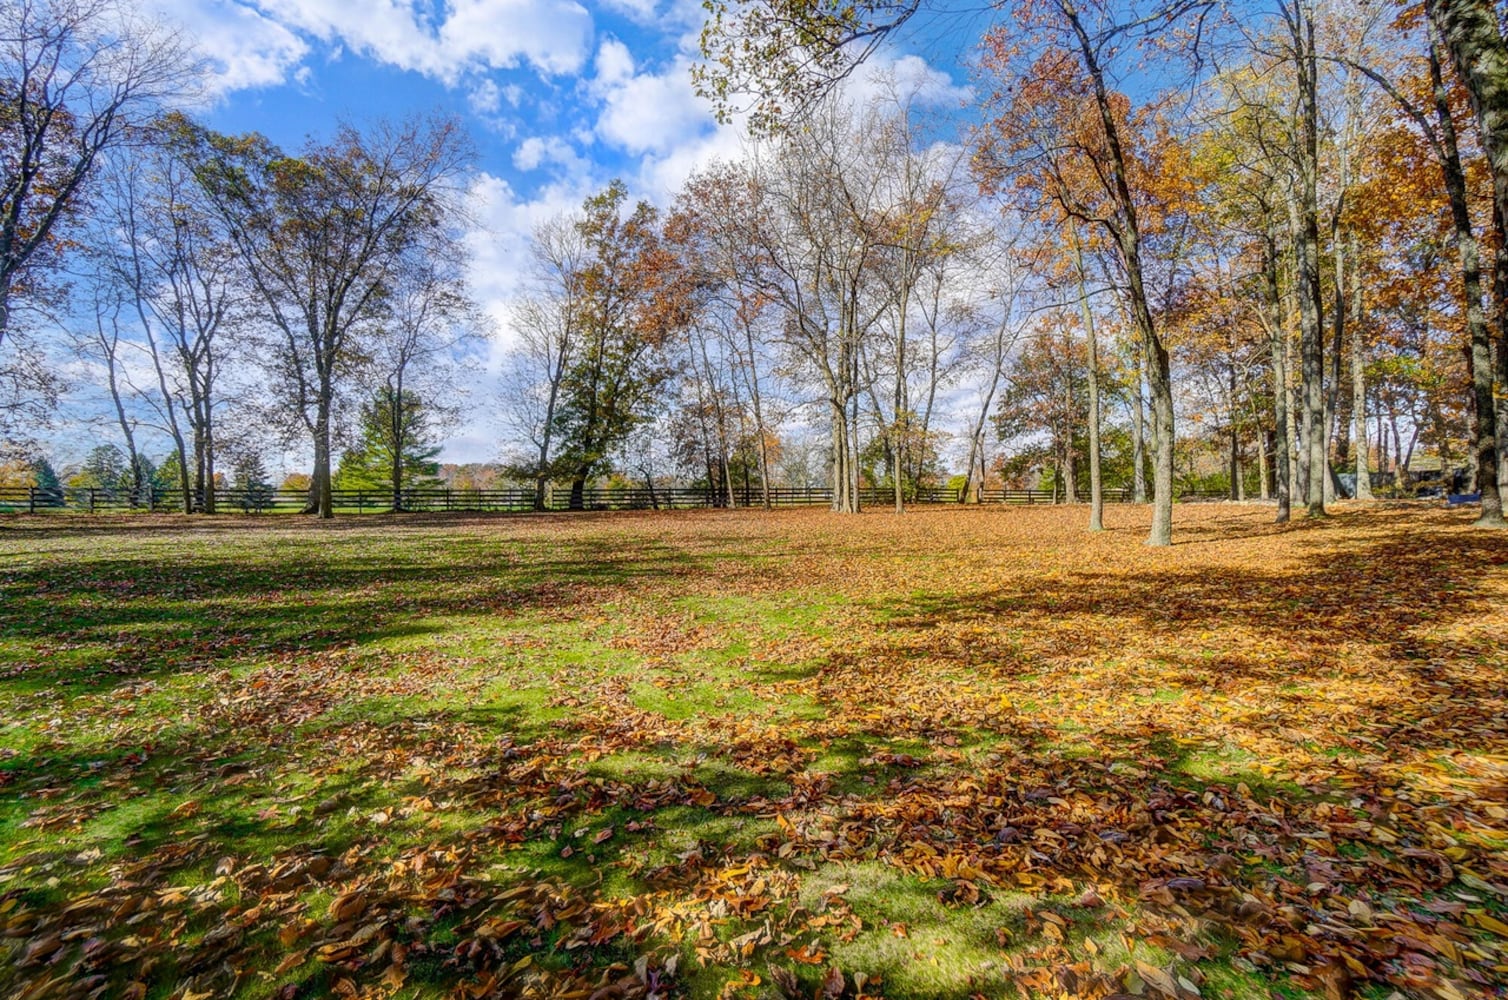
89,500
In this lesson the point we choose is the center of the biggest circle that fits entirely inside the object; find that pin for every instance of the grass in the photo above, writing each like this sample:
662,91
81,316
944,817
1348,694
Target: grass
955,753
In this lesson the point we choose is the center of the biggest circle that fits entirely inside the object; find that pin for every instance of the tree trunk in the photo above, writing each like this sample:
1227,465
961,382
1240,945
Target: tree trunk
208,424
1138,434
1162,470
1070,465
1363,490
323,500
1472,32
1362,446
1278,350
1485,444
1096,489
1264,479
185,473
759,429
578,491
899,405
125,429
1128,238
1312,451
1235,440
842,478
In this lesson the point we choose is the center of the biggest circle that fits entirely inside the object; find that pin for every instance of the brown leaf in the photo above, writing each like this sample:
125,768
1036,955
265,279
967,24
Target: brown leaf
347,906
1157,978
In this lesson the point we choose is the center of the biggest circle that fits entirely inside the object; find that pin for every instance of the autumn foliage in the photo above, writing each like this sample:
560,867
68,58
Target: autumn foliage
961,752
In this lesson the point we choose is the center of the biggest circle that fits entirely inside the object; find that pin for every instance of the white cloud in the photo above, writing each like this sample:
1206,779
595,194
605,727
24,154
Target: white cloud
641,12
537,151
260,45
662,176
499,243
485,98
553,35
910,77
614,63
244,48
646,112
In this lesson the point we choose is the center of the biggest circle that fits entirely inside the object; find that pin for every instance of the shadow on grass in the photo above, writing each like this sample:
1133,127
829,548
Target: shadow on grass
110,616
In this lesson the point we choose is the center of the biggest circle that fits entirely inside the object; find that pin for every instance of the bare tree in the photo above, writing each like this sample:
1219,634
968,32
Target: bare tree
78,78
547,321
427,327
820,255
157,242
323,237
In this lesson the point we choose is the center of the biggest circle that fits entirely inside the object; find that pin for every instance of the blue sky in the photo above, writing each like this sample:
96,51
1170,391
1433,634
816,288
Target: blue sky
559,96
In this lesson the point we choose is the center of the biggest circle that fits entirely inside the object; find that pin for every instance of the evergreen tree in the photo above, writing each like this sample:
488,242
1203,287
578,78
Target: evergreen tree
104,469
49,488
251,482
396,452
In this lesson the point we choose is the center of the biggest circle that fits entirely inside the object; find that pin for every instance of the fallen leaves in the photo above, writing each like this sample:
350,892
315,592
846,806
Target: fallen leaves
1283,754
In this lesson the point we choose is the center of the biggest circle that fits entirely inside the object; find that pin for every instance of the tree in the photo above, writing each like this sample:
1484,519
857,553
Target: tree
631,297
1473,33
1061,129
105,344
157,243
1433,115
810,223
250,476
1303,221
105,469
1046,392
78,78
919,230
786,56
548,322
323,237
397,452
427,322
49,489
707,229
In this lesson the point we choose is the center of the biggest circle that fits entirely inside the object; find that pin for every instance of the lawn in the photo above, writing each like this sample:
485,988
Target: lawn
736,754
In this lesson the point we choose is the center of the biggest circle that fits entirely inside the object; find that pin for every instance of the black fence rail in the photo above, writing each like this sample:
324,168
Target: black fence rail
91,500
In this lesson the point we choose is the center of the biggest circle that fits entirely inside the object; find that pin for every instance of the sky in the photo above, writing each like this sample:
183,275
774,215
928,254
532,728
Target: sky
560,97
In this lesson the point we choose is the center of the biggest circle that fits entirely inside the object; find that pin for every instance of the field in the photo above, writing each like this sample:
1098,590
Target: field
736,754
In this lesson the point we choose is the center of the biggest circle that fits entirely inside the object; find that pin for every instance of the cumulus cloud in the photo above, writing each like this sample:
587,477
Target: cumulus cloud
553,35
485,98
537,151
910,77
499,242
260,45
614,64
244,48
650,112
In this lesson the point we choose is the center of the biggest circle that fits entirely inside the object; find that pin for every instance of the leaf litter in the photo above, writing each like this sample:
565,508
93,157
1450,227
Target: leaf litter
1270,757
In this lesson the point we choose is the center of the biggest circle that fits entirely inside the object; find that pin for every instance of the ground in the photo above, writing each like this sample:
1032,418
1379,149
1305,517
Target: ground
953,753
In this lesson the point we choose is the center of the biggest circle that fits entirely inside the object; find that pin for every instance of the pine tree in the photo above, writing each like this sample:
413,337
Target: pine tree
396,452
104,469
252,483
49,488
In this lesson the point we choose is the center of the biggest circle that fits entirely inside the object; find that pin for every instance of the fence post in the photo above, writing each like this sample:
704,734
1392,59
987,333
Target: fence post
91,499
31,499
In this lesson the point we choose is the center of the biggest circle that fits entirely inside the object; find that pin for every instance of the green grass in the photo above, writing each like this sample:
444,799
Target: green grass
752,747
